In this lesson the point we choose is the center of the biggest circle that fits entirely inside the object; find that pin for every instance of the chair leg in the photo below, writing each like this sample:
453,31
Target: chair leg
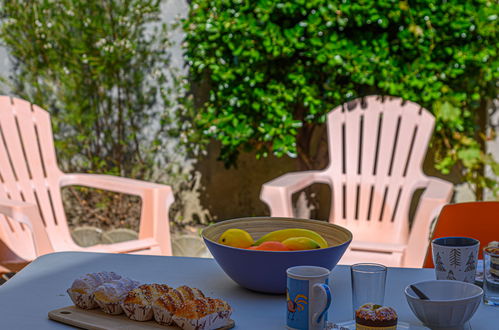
6,276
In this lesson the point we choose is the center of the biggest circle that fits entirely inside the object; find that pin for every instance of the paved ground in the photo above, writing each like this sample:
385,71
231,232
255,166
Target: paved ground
185,244
189,246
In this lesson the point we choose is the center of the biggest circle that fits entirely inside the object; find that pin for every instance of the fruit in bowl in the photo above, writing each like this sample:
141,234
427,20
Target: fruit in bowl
450,305
295,238
291,239
236,237
265,270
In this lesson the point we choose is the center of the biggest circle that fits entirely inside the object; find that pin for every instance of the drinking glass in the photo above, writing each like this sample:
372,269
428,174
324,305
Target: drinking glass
491,276
368,284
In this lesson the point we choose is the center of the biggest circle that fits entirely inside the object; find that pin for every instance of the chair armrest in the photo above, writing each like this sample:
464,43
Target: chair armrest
29,215
110,183
377,247
438,193
156,202
277,193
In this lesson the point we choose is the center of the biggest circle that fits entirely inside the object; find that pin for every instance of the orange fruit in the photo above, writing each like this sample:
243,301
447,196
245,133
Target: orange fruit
270,246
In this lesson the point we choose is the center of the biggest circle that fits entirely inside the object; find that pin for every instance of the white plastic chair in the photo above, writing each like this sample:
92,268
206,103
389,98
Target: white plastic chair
376,153
32,219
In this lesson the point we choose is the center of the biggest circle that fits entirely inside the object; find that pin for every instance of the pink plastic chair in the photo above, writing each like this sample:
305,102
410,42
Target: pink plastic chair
376,154
32,219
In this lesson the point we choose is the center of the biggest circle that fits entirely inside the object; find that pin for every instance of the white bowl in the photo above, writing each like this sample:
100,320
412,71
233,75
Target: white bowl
451,304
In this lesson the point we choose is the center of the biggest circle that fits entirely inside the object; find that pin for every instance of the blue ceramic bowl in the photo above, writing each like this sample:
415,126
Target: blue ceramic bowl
265,271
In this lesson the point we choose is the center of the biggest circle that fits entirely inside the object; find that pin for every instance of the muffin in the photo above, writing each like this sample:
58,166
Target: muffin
189,293
82,290
110,295
165,306
371,316
203,314
137,305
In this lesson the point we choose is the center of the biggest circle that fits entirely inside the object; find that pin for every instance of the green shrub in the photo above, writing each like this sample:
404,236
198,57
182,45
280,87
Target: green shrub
275,68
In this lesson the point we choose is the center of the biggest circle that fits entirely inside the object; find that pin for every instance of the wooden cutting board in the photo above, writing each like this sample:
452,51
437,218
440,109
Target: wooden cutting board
95,319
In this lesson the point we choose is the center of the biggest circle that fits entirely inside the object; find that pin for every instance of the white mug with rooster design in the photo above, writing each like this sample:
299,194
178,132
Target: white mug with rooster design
455,258
308,297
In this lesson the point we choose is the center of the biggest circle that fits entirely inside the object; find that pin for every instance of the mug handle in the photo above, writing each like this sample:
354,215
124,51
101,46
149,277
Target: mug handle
325,301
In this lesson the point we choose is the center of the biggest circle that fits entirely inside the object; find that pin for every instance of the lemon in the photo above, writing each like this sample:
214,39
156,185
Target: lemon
236,238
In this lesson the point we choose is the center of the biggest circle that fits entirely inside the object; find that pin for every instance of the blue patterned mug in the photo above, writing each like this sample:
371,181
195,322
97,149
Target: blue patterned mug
455,258
308,297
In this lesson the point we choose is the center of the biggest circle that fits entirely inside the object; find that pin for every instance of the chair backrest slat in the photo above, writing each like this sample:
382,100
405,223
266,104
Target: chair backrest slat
351,129
377,147
28,133
49,188
369,154
336,167
14,151
10,174
28,170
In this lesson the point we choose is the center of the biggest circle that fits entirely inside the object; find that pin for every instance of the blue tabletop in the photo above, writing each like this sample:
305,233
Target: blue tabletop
41,287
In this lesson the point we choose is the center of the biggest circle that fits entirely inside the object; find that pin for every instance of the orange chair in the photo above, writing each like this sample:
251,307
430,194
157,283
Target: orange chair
479,220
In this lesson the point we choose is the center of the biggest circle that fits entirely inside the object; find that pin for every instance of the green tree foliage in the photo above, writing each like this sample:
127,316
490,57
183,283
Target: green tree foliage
275,68
100,68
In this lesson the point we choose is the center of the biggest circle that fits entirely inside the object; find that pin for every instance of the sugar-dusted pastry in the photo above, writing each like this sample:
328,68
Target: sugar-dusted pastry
110,295
203,314
82,289
138,302
166,305
371,316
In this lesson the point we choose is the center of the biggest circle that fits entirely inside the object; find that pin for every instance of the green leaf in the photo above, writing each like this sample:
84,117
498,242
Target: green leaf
470,156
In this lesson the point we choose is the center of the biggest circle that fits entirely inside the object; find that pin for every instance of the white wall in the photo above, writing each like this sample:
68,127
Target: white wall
4,68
